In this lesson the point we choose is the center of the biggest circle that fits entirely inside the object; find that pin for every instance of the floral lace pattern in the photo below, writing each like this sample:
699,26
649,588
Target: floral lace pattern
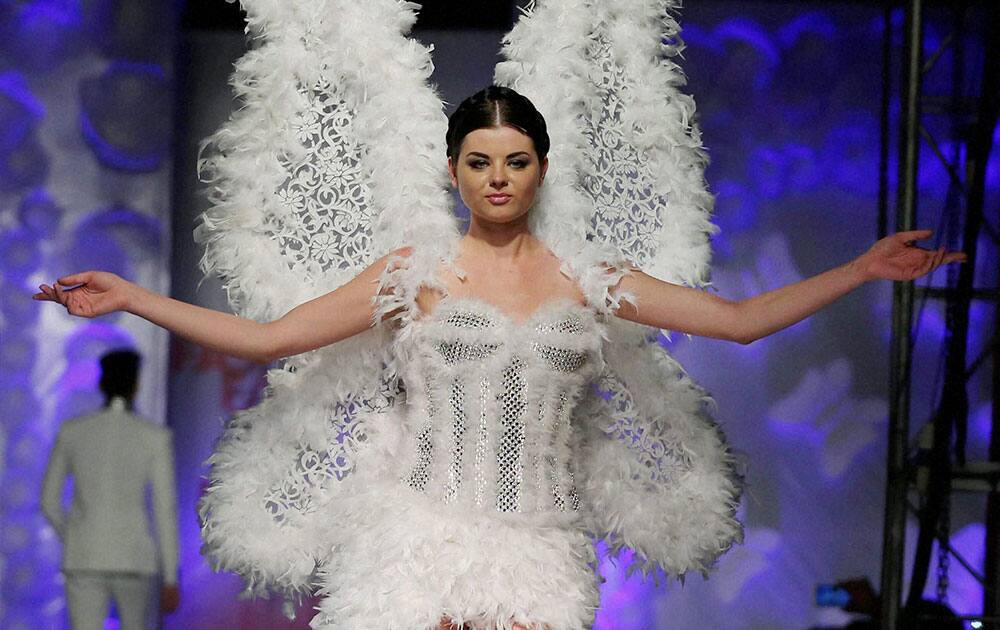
662,456
626,208
313,469
326,220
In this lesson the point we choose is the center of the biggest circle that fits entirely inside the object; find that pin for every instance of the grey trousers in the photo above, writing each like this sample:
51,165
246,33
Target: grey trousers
88,594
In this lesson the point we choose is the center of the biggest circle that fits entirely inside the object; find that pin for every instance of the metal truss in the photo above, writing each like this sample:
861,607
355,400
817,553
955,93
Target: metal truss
944,467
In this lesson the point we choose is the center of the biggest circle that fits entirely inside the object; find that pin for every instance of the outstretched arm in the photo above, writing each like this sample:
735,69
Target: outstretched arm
324,320
673,307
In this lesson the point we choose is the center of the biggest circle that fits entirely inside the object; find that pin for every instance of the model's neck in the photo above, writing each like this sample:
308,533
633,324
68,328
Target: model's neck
500,240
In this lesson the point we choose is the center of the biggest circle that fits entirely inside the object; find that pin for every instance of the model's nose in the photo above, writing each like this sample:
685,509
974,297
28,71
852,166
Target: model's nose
498,178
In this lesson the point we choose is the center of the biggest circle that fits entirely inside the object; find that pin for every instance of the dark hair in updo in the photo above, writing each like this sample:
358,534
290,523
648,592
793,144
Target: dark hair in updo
496,107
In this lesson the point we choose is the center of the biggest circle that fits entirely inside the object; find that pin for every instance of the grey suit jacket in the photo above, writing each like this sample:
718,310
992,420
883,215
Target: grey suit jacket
113,455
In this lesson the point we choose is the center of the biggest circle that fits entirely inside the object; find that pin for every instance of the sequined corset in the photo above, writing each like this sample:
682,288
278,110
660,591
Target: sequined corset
490,404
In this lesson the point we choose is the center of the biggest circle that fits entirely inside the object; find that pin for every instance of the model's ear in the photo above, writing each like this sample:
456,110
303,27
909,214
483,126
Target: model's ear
545,169
452,173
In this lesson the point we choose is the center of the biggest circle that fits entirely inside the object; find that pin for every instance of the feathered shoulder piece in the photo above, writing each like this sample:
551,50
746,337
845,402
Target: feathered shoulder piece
308,187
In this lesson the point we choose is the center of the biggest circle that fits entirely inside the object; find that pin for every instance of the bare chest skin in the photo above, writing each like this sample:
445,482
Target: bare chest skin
517,286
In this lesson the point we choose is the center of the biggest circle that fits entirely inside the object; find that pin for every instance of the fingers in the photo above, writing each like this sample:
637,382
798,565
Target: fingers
57,291
62,286
938,257
60,294
50,293
925,266
73,298
44,294
75,279
914,235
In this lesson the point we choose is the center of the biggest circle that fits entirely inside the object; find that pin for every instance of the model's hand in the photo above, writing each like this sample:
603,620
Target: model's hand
87,294
897,257
170,598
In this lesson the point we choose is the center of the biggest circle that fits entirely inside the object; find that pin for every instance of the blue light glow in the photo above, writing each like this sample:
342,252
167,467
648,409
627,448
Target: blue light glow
125,116
41,34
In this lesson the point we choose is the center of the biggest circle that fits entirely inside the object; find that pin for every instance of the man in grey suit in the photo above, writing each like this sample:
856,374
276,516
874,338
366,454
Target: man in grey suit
108,550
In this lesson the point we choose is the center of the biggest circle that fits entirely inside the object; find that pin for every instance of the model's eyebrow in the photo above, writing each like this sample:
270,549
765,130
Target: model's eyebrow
483,155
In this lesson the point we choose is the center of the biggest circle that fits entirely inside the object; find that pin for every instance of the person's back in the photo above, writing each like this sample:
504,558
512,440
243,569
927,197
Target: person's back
109,551
112,456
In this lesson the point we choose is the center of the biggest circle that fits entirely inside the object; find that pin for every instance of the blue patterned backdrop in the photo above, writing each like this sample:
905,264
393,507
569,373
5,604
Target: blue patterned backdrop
85,131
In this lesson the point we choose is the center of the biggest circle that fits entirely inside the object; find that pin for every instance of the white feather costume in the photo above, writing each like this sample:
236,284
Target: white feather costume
459,465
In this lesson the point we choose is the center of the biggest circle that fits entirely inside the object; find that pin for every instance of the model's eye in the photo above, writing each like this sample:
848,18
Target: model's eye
518,163
478,164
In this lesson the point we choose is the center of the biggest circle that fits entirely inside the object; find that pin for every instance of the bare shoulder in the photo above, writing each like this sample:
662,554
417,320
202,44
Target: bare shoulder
428,297
373,274
398,256
394,260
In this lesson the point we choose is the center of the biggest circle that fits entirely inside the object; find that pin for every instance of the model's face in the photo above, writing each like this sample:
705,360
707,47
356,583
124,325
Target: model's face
497,174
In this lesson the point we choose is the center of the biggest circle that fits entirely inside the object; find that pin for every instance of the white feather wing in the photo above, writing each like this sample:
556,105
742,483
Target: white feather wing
333,160
627,175
628,167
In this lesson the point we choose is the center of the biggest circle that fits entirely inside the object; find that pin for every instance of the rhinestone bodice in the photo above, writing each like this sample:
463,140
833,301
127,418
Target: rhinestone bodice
490,402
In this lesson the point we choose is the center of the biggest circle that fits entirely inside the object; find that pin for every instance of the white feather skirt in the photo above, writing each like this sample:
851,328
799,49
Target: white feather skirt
411,562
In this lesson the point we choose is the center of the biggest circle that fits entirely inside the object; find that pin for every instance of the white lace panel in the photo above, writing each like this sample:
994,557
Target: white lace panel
659,451
487,435
626,208
482,441
560,478
510,453
326,219
312,470
458,428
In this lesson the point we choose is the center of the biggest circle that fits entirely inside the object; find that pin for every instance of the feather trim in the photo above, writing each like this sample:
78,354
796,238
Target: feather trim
656,475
